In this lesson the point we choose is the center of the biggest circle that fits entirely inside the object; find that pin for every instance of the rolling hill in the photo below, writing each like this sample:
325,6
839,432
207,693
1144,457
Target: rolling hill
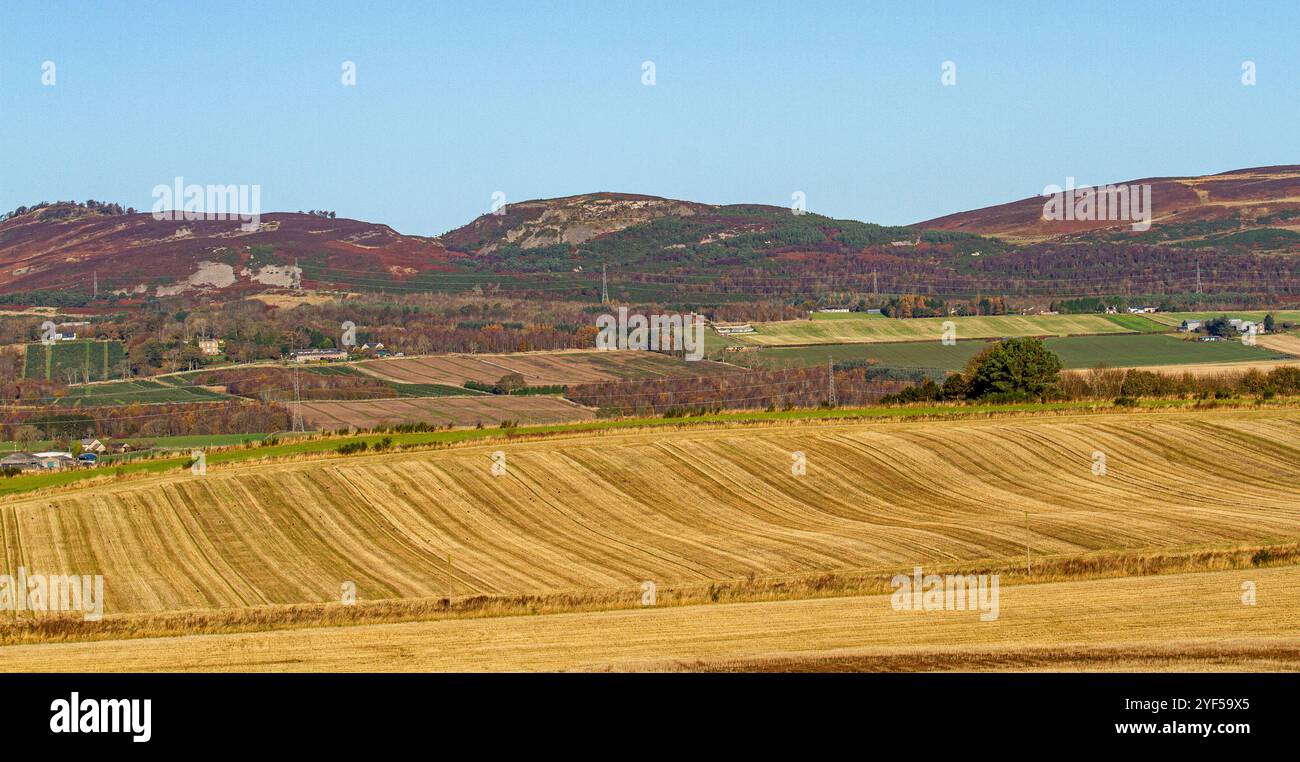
597,512
568,220
62,252
538,566
65,247
1229,208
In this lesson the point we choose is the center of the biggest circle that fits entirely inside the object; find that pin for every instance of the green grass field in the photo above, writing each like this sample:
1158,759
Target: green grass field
1135,350
1120,350
1174,319
187,378
141,392
847,329
431,390
846,316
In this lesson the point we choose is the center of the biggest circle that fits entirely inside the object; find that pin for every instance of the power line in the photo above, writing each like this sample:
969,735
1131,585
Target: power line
830,381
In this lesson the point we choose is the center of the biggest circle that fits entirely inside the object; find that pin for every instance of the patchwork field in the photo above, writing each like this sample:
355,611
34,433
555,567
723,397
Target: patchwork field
1121,350
490,410
1187,621
349,383
874,329
538,368
141,392
1140,350
593,512
1175,319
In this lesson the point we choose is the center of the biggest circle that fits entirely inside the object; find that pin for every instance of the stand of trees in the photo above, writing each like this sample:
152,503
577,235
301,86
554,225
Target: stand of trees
755,390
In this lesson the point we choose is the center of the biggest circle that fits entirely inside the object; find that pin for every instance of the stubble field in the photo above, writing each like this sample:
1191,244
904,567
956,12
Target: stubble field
849,331
593,513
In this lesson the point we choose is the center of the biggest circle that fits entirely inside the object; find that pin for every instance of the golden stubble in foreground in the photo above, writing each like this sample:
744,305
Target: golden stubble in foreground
1184,621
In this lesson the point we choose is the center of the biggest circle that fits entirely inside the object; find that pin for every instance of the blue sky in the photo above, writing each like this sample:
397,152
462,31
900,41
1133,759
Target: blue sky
752,101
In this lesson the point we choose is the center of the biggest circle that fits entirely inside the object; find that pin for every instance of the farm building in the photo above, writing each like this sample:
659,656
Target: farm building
23,461
55,460
91,444
319,355
1190,325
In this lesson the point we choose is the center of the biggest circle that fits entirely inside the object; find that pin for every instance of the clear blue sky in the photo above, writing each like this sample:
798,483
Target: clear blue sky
753,101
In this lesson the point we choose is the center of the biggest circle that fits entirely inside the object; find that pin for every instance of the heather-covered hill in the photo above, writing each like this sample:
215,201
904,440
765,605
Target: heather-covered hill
66,248
1256,209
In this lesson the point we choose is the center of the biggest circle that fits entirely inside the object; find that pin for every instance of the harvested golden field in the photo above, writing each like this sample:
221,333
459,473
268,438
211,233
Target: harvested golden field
539,368
604,511
874,329
1281,342
490,410
1183,621
1210,369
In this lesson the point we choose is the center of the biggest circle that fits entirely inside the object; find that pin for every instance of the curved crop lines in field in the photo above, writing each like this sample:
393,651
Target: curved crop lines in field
606,511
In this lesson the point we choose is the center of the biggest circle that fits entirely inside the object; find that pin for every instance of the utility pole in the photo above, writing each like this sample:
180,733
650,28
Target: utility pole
875,284
296,424
95,288
604,285
1198,276
830,382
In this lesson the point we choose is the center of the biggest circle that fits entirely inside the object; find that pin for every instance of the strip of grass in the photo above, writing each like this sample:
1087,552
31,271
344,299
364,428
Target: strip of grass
791,332
141,392
1118,350
1136,323
1176,318
431,390
1152,349
846,316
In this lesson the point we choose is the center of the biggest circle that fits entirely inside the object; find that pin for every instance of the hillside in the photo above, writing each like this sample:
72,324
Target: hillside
1258,207
601,512
568,220
63,248
1214,234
